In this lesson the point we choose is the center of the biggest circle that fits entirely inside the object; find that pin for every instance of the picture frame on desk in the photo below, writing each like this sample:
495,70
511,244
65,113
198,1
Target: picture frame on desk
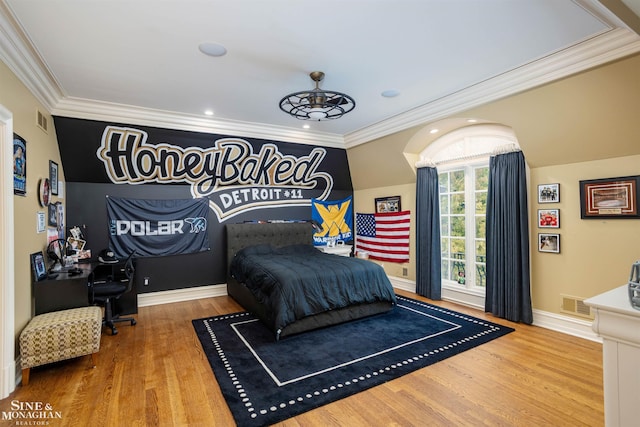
38,266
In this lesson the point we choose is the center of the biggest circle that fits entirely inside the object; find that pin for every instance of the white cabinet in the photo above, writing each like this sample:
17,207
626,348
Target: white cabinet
618,323
342,250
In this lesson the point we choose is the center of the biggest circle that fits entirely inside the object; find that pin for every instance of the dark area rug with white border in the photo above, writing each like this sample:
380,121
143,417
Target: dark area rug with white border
266,381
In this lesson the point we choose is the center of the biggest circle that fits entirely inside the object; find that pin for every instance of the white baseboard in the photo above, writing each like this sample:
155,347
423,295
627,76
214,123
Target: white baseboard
544,319
178,295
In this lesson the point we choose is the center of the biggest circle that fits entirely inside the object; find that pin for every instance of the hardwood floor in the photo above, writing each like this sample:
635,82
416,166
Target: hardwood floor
155,374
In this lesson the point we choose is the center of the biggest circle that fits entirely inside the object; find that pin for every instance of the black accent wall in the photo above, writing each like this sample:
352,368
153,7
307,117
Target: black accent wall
88,183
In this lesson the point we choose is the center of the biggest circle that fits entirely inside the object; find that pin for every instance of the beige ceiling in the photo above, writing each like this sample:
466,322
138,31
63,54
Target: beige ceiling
139,60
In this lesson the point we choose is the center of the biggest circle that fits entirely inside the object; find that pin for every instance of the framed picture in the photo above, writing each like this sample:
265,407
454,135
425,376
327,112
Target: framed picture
38,266
388,204
609,198
549,243
549,193
53,177
19,165
549,218
53,215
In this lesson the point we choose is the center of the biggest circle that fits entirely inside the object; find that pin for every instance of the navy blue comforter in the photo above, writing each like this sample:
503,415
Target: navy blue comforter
298,281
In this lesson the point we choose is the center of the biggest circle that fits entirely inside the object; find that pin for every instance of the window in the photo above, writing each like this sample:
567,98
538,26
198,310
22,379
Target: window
463,207
462,160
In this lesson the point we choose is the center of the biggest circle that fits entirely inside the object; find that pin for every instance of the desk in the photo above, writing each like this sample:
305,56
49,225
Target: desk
67,291
62,292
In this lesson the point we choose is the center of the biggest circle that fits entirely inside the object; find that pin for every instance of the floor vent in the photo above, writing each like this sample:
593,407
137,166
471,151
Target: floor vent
575,306
41,121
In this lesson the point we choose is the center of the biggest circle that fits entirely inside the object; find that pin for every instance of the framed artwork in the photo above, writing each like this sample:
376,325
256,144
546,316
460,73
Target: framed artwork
53,177
549,218
549,243
19,165
388,204
38,266
53,215
609,198
549,193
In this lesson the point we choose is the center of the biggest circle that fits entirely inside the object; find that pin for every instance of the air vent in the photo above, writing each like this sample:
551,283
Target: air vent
41,121
575,306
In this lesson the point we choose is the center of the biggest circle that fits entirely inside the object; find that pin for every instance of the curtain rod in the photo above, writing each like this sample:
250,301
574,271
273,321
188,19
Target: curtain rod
503,149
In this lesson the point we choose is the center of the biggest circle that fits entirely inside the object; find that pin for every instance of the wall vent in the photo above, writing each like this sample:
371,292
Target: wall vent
575,306
42,122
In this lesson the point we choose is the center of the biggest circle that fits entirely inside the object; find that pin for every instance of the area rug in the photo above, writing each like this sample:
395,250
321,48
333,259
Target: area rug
265,382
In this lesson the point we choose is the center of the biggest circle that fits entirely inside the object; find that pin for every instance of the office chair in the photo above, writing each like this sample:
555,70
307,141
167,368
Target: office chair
106,290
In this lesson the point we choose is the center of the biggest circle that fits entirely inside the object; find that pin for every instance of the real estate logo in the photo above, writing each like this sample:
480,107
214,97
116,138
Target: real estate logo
30,413
233,176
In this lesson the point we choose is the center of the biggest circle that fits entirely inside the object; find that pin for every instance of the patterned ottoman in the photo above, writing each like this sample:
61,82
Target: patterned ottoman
60,335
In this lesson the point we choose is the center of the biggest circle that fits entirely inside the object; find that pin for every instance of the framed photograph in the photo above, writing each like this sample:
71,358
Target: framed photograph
38,266
549,218
549,193
19,165
41,222
549,243
388,204
609,198
53,215
53,177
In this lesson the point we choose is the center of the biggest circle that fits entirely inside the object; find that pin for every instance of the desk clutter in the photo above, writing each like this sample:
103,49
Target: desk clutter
60,335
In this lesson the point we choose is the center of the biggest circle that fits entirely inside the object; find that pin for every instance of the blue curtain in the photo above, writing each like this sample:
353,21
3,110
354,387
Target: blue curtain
508,292
428,255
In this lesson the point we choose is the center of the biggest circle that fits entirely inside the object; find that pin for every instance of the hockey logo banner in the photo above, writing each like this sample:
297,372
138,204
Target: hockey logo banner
157,227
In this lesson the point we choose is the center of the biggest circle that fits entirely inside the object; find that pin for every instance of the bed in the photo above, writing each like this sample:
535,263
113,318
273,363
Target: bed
325,289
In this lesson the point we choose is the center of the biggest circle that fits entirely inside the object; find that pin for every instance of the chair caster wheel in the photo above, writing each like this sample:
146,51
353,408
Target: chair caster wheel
114,331
133,322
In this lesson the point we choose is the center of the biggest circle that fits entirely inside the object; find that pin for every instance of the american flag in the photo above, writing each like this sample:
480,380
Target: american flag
385,236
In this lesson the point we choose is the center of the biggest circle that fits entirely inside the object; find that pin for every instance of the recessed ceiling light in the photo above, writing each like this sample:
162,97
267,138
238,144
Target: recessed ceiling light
208,112
390,93
305,126
212,49
434,131
472,121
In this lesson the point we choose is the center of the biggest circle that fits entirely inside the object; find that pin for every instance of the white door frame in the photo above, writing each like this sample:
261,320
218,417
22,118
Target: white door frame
7,274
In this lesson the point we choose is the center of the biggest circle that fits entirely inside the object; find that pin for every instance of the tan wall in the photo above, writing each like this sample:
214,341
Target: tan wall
41,147
595,255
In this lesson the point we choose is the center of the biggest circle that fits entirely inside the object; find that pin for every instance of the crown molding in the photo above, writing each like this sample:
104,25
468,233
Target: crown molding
609,46
106,111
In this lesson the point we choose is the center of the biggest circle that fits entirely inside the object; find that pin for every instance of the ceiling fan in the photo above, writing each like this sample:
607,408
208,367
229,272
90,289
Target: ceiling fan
317,104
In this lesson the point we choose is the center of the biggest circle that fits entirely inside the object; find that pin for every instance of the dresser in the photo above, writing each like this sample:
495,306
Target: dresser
618,324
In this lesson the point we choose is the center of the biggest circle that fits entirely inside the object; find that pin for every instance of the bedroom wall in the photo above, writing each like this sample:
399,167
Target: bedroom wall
582,127
41,147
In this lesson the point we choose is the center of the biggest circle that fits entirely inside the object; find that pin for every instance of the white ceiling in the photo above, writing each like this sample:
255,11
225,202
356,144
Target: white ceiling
139,60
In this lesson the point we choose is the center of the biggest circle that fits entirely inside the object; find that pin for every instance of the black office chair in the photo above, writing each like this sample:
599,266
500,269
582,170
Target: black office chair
104,291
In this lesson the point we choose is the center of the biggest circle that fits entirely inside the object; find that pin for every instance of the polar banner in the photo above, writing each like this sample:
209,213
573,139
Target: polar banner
157,227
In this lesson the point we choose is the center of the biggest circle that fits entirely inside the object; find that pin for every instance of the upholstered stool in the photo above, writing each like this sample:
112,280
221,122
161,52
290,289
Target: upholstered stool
60,335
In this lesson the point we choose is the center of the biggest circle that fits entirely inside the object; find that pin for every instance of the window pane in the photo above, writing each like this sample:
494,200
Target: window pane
481,203
481,227
457,226
457,204
446,271
457,248
444,226
443,182
444,247
444,205
482,178
457,180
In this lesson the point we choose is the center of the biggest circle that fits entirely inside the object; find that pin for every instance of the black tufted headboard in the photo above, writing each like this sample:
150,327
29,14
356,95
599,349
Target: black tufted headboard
278,234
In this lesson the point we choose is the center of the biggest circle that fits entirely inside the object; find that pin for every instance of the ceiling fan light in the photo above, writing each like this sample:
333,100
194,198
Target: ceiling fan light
317,114
317,104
